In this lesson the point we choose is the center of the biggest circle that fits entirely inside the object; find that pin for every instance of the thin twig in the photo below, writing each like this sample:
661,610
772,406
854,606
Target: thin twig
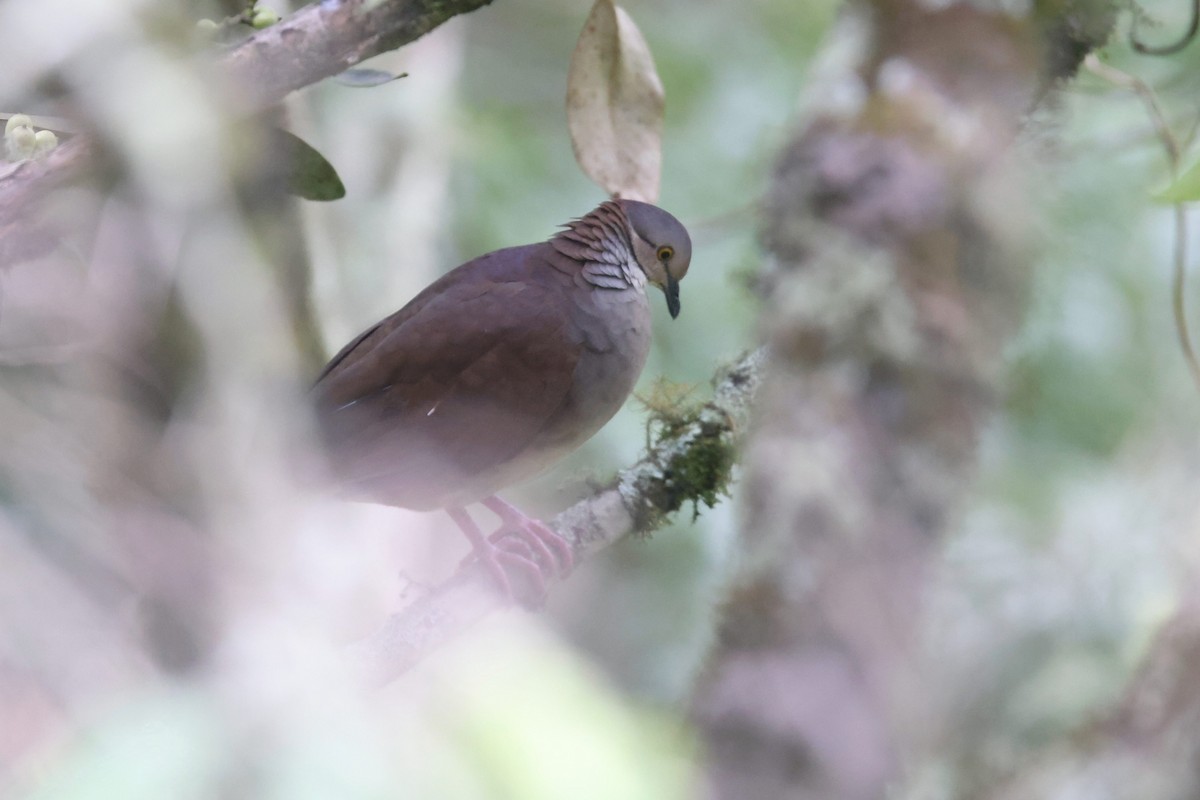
1171,147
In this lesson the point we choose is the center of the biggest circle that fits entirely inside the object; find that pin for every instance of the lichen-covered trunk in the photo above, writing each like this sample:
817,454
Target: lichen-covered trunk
894,233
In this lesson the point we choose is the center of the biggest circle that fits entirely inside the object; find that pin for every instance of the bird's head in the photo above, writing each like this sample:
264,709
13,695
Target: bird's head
661,246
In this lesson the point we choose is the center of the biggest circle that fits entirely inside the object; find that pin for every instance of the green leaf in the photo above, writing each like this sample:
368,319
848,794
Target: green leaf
365,78
1184,189
309,175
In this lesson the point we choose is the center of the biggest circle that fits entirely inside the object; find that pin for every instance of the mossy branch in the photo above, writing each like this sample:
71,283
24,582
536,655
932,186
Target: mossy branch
691,461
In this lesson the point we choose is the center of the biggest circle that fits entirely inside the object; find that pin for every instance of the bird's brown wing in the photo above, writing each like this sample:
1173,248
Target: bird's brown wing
453,385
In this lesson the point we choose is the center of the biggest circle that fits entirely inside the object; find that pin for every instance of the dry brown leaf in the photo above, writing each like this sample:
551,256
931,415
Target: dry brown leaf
615,105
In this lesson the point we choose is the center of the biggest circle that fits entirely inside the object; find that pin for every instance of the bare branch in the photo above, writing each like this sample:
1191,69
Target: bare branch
637,502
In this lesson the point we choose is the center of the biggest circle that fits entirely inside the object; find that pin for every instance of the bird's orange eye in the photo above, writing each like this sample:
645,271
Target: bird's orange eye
665,252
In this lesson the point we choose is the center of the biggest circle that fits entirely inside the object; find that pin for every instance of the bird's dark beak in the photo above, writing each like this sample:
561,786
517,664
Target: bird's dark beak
672,293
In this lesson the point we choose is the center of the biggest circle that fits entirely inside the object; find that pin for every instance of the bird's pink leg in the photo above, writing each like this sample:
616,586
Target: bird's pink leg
494,559
554,549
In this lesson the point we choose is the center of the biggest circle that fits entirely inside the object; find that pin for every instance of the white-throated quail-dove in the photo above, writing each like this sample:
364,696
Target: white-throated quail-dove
497,370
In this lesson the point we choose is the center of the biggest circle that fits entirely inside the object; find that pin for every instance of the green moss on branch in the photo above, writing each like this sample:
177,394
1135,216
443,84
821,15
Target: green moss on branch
694,450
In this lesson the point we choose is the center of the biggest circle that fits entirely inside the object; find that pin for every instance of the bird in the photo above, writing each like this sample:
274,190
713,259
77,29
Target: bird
497,370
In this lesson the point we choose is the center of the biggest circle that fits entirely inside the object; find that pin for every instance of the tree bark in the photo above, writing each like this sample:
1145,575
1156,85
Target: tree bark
895,277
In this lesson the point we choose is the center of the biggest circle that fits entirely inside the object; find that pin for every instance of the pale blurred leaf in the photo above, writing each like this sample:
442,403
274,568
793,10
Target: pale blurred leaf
309,175
365,78
1185,188
615,105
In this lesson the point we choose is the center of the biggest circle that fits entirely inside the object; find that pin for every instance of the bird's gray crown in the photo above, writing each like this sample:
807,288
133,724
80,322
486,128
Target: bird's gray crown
659,228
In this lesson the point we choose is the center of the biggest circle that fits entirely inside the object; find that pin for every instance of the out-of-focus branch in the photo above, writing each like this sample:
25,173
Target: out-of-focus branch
320,40
1147,746
691,463
1154,728
24,183
326,38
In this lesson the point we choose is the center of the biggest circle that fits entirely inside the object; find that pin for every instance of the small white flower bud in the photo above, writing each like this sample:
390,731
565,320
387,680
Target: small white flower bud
44,142
263,18
17,121
20,142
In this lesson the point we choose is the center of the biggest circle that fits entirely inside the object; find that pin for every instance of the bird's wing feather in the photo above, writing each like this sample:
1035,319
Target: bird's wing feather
454,384
345,351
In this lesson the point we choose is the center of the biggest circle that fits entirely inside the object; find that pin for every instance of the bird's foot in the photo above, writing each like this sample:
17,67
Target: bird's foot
505,560
552,550
509,559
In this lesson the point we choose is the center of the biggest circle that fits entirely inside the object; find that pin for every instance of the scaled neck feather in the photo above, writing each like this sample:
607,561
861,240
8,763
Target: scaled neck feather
599,243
